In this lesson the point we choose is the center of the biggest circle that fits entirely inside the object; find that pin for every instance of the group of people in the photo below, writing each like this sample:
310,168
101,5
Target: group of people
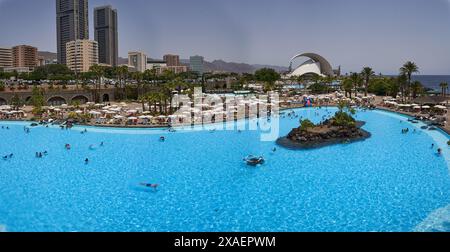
41,154
3,127
439,150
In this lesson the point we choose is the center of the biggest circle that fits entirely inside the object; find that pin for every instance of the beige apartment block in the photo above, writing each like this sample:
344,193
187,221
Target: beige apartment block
81,55
6,57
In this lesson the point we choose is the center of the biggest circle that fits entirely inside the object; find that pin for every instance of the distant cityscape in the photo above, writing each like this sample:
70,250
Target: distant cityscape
79,53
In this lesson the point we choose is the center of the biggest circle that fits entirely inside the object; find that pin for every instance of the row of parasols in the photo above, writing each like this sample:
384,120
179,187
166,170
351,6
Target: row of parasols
414,106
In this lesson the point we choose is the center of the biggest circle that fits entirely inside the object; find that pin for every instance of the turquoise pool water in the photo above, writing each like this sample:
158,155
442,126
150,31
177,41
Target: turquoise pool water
390,182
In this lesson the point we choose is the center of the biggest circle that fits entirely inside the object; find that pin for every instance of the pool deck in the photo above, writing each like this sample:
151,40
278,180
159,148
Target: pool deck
446,129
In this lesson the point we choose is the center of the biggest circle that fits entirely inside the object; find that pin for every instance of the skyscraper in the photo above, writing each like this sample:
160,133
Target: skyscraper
196,63
71,24
105,26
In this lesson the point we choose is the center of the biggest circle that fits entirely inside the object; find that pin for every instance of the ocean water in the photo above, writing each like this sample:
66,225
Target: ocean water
389,182
432,81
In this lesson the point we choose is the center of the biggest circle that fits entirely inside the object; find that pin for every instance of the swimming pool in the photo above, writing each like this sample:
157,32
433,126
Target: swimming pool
390,182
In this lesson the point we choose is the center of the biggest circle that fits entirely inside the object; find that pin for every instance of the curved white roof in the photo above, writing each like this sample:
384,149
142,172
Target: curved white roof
317,64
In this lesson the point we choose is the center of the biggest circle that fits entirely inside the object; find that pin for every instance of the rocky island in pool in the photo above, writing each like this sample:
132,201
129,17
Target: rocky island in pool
341,128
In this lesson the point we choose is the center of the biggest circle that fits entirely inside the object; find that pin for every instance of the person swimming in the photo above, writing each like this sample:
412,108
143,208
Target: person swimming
162,139
102,144
439,151
274,149
153,186
86,161
432,146
67,147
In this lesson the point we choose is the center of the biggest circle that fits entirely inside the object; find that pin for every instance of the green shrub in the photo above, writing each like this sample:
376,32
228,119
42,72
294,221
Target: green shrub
306,124
343,119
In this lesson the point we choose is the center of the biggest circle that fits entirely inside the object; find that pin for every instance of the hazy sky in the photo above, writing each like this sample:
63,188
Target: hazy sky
382,34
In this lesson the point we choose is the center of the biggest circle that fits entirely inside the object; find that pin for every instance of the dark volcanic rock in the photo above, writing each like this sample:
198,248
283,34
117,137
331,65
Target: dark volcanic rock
298,140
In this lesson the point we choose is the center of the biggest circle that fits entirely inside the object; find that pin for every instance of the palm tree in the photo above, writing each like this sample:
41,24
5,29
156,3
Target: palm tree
444,87
150,74
329,82
99,72
393,87
138,77
175,84
122,73
416,88
152,99
356,81
408,69
402,82
367,73
347,85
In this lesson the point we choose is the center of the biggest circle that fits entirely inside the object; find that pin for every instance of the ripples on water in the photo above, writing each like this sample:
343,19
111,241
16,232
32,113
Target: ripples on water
390,182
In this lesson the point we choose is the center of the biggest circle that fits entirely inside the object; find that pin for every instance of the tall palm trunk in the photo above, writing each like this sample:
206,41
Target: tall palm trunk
409,86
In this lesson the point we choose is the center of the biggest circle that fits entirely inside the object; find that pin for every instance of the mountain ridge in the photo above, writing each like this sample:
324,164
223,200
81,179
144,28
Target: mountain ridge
213,66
